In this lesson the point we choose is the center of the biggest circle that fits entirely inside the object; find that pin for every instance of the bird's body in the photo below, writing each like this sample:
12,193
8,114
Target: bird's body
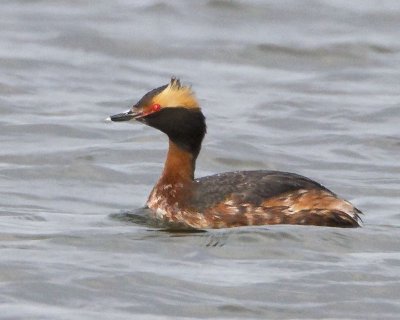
228,199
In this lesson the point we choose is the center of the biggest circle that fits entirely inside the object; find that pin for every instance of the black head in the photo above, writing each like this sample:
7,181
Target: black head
174,110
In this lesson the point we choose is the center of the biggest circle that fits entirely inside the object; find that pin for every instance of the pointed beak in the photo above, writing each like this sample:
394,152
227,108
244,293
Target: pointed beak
125,116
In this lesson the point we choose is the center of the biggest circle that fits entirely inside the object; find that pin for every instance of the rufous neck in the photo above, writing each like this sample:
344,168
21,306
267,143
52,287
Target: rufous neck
179,166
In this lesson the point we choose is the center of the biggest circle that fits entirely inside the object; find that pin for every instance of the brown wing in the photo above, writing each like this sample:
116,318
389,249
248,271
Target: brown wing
270,197
251,186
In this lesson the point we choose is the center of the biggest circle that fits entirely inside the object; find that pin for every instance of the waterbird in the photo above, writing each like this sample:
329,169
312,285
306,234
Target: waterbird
230,199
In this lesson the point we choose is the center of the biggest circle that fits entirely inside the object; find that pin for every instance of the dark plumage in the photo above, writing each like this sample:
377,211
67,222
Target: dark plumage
190,132
251,186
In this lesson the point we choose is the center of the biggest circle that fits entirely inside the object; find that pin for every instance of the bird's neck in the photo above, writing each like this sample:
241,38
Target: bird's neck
179,166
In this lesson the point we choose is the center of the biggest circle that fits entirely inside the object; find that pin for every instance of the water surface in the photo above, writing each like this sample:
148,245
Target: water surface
310,87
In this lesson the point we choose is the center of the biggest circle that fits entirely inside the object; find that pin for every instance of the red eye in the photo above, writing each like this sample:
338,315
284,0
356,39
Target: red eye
155,107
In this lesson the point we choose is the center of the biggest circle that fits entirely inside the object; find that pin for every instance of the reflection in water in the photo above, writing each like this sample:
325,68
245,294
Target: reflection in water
138,216
143,217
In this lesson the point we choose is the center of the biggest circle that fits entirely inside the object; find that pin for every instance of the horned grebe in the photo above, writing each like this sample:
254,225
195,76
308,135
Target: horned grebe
228,199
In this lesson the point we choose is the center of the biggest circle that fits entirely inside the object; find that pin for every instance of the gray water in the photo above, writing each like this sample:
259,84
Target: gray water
310,87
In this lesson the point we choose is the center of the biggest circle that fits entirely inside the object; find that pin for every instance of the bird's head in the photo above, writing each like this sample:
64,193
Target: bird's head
172,109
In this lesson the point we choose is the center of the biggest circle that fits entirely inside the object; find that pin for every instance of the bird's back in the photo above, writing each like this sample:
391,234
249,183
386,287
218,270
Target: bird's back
269,197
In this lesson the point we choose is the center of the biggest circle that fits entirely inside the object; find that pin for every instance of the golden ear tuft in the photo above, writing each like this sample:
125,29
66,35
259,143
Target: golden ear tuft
175,83
176,95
